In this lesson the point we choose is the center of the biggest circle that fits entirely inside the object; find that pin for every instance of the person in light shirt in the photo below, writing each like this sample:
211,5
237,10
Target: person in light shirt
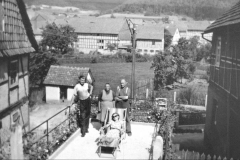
82,97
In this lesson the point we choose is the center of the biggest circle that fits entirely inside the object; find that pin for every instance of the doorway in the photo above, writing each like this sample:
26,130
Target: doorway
63,93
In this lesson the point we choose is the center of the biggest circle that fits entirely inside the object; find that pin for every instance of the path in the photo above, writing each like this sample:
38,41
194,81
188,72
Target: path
135,147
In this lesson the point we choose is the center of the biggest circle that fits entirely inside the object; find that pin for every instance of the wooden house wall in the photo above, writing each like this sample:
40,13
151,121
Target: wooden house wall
224,87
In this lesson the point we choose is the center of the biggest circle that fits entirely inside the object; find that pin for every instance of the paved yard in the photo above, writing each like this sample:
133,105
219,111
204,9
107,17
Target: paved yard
135,147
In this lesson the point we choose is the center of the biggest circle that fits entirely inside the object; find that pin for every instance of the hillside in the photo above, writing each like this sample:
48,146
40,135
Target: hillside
197,9
101,5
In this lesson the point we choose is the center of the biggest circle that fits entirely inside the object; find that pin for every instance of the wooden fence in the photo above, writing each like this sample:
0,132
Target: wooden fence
191,155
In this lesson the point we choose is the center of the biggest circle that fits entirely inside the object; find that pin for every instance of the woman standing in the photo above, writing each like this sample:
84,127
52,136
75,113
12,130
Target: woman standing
82,96
105,101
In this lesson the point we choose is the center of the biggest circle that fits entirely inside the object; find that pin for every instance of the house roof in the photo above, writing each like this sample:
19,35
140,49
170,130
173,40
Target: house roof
231,17
65,75
14,37
155,32
198,25
97,25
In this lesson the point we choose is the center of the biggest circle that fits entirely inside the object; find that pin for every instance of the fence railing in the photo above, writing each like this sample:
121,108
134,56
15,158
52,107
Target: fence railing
43,140
191,155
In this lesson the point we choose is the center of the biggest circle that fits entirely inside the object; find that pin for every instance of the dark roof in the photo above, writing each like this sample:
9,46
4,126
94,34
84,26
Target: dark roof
97,25
231,17
65,76
14,36
154,32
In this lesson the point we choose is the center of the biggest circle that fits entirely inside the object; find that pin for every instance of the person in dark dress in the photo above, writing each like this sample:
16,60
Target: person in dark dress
82,97
122,101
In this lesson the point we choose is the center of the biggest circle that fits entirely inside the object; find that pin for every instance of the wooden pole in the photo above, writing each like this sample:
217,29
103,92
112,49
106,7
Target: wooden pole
133,61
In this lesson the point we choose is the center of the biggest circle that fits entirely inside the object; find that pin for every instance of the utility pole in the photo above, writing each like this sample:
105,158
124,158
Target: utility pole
133,60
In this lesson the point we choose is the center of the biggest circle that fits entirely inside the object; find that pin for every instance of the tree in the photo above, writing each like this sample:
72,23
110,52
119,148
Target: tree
167,39
39,65
204,52
164,69
58,38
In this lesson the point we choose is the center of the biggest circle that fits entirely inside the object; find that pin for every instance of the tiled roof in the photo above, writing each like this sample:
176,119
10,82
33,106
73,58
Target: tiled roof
97,25
150,32
231,17
13,36
65,76
198,25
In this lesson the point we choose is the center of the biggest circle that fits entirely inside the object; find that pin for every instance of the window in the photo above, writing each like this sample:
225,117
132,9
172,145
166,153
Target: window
218,51
152,51
13,70
145,50
153,42
139,50
100,41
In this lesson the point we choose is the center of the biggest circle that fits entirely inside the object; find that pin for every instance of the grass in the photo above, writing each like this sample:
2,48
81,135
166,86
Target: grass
101,5
114,72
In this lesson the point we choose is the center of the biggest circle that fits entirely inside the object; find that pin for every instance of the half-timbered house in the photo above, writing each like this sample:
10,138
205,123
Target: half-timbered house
15,47
222,127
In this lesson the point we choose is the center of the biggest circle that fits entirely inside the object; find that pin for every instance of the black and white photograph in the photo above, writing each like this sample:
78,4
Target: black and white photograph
120,79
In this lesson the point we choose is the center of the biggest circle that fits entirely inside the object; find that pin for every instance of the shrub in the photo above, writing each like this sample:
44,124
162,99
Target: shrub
191,97
191,68
94,60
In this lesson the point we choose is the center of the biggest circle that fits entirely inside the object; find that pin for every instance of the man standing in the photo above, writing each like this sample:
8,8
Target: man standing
122,101
82,96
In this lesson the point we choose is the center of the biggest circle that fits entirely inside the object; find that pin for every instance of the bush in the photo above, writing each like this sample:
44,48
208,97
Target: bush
191,97
192,68
94,60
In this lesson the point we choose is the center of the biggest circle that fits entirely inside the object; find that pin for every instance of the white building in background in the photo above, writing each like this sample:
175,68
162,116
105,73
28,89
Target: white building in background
150,39
95,34
61,80
196,28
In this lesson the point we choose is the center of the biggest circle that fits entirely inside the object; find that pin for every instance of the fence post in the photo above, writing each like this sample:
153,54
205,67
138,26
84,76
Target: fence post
175,95
206,101
47,133
147,93
69,120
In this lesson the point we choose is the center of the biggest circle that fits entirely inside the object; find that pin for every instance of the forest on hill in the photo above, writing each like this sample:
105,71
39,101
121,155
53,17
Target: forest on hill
197,9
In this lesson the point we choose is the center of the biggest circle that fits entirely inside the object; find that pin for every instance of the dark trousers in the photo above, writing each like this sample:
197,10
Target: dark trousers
125,104
84,106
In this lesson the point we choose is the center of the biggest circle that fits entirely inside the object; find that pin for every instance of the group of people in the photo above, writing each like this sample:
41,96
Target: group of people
107,99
